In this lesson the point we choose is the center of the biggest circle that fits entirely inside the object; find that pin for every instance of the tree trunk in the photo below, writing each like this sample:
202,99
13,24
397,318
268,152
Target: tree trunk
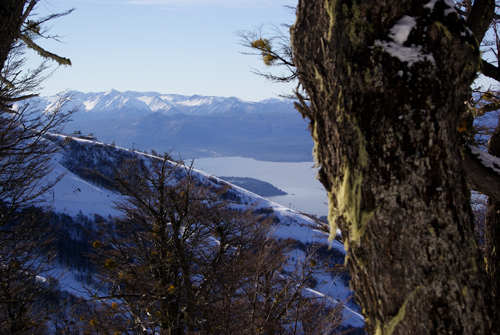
387,82
492,226
11,12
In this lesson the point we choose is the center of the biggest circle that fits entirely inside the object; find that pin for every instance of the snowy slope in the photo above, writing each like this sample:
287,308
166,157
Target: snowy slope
73,196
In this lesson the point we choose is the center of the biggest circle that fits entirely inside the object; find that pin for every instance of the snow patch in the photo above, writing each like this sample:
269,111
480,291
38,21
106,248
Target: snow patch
399,34
410,55
486,159
431,5
401,30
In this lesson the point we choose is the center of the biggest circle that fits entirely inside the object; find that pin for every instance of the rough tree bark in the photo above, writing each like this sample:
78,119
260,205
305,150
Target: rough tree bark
492,226
387,82
11,14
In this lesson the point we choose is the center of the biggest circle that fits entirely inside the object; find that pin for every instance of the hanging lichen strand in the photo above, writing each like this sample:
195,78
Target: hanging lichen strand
387,81
42,52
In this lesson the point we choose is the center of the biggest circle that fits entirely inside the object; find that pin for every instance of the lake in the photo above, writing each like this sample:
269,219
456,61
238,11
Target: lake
305,192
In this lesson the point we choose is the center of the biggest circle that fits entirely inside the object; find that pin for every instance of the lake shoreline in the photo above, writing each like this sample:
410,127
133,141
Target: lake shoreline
298,179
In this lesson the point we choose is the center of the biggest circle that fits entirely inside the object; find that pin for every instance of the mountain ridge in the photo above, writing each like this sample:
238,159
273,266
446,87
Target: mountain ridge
131,104
192,126
268,137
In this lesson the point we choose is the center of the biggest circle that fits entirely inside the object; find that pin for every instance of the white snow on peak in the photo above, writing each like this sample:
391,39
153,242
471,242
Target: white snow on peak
112,92
401,30
172,97
91,103
132,104
111,100
199,100
156,104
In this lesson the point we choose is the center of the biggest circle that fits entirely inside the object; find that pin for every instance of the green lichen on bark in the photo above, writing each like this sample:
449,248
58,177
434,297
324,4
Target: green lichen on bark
345,196
444,29
345,204
42,52
353,22
473,247
319,77
330,9
389,327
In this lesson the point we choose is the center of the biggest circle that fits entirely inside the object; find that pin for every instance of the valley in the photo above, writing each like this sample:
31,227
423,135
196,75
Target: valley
108,191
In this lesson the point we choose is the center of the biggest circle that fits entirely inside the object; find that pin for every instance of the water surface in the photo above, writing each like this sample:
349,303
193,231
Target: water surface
305,192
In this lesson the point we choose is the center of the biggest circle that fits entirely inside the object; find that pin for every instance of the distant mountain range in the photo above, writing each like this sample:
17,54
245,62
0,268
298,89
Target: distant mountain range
113,104
192,126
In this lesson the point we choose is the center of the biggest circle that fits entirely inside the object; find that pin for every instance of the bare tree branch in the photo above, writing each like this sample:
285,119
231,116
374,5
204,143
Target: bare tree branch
480,17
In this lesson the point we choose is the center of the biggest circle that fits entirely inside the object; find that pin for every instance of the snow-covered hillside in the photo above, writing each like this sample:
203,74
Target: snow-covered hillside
75,196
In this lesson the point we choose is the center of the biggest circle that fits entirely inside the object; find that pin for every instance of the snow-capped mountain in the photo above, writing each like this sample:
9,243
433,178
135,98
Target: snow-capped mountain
193,126
113,104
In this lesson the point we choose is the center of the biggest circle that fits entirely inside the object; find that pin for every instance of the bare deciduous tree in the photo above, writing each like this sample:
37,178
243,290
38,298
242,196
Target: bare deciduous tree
25,154
179,260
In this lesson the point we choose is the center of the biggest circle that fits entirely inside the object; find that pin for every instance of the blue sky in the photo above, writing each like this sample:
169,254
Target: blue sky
182,47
